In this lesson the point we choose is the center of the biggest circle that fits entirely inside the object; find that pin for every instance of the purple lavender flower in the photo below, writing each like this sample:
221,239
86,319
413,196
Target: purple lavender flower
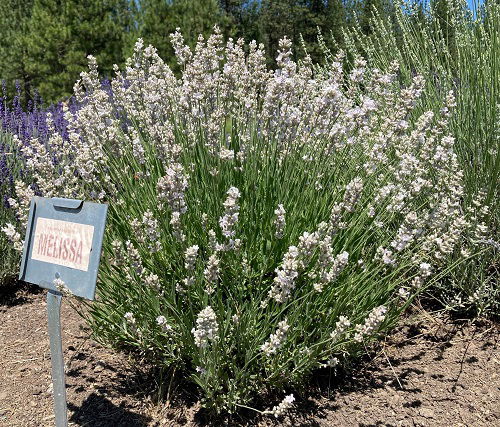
28,123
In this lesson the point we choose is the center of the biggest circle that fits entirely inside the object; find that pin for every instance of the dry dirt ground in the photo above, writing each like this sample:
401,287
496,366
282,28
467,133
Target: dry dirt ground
429,372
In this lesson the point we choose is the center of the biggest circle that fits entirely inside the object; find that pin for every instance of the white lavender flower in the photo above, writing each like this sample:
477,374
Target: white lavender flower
138,150
172,186
182,51
152,233
211,272
308,242
179,288
352,194
129,317
212,240
201,370
407,232
404,293
285,405
117,252
191,254
206,329
371,324
417,282
13,236
277,339
340,328
284,282
339,263
225,154
425,269
279,221
330,267
162,321
204,220
386,256
228,221
175,222
134,258
62,287
330,363
153,281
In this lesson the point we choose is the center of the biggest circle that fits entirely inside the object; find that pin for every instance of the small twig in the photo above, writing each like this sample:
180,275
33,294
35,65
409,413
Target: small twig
462,361
393,371
253,409
169,390
458,340
26,360
77,351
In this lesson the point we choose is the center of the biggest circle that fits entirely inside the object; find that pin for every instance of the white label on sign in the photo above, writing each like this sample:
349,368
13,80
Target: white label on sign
63,243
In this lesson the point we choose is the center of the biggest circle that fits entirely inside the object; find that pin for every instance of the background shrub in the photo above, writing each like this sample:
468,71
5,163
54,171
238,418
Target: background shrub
19,128
455,49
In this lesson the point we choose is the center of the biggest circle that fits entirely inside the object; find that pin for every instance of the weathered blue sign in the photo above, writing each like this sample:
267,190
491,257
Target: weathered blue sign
61,252
63,241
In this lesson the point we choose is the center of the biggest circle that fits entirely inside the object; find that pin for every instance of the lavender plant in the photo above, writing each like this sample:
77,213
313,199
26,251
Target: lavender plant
8,169
262,224
19,128
469,65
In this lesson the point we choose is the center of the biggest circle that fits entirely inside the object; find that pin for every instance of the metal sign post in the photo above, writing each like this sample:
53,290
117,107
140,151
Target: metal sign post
61,252
54,300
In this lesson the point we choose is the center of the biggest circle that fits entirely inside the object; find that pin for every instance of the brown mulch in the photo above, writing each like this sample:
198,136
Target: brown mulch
431,371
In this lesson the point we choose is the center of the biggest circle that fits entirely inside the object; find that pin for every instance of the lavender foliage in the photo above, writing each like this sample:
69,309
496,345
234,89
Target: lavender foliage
26,123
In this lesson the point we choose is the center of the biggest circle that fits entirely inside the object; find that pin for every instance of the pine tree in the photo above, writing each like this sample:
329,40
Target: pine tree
367,8
335,20
250,27
154,27
300,21
241,18
14,23
159,18
61,33
280,18
314,17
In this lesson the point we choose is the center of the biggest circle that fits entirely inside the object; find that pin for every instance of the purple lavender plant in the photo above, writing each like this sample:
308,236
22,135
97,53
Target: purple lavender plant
25,123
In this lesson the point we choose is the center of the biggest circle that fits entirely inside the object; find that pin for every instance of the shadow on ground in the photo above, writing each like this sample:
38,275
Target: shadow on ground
99,411
104,389
14,292
411,373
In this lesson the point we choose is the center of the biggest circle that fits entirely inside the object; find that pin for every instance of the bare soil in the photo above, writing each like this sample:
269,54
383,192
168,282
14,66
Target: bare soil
430,371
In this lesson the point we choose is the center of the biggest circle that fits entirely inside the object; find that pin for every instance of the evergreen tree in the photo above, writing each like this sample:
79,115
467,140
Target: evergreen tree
300,21
280,18
14,24
233,8
242,18
45,42
250,27
154,26
335,20
313,18
48,44
366,13
159,18
63,32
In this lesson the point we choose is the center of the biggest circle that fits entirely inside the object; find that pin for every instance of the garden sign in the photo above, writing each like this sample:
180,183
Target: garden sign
61,253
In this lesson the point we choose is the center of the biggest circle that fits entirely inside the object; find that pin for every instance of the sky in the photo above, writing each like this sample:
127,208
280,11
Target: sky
473,3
